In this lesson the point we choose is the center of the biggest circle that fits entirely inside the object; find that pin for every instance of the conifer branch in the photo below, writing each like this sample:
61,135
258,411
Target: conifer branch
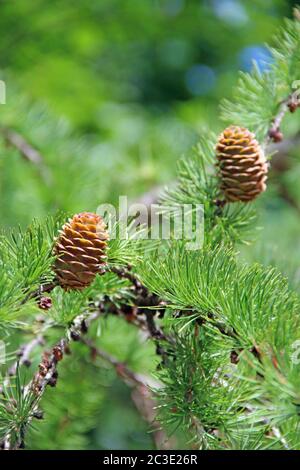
38,294
47,374
27,151
227,361
24,354
290,104
128,375
142,395
145,306
280,165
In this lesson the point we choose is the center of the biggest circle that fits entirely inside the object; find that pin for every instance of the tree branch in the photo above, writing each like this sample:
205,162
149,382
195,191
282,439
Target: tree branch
142,396
28,152
47,373
290,104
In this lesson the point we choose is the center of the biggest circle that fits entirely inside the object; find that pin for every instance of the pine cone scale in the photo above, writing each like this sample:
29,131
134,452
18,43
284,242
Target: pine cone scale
71,233
94,252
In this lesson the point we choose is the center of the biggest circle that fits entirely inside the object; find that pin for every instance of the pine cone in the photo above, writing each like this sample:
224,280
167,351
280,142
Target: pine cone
242,166
80,250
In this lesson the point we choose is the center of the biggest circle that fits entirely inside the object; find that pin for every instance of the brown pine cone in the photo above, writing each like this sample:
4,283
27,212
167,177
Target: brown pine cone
80,250
242,166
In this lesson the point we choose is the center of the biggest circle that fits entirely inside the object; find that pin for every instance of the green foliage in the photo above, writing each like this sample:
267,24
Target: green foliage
255,102
15,409
75,412
228,379
26,261
262,396
64,181
258,95
67,305
71,410
198,184
200,392
235,308
253,302
128,243
286,53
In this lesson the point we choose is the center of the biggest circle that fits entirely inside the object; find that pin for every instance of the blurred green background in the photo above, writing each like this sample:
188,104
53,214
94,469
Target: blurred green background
112,93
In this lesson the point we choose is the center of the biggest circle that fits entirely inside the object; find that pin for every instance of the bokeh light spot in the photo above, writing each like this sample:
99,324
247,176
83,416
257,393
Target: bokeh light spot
230,11
260,54
200,79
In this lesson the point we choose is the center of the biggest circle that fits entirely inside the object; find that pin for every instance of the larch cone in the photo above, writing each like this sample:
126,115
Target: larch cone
242,166
81,251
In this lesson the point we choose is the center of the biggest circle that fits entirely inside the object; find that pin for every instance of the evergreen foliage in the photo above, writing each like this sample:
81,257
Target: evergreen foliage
217,333
258,95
